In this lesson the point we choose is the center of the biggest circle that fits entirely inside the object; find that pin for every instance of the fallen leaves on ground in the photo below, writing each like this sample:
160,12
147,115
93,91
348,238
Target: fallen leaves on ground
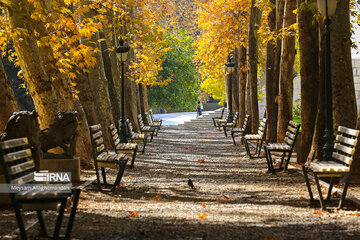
133,213
226,197
129,176
178,174
157,196
357,214
209,136
201,160
317,212
203,204
302,198
236,169
202,215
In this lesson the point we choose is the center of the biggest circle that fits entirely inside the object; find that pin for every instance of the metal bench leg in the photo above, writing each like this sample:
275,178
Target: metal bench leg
119,175
288,160
246,147
97,175
261,143
347,181
59,219
224,127
330,189
103,174
233,137
20,221
322,204
145,141
152,136
73,212
133,158
42,224
268,159
308,183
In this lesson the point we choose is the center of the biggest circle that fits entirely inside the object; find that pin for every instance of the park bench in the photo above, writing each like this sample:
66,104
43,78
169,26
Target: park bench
229,125
103,158
340,165
146,129
126,148
221,121
153,119
215,119
152,123
137,137
258,138
19,169
285,148
240,130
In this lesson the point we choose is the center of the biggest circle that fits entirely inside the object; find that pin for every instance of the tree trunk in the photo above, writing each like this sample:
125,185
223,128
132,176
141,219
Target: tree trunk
242,68
316,151
36,78
309,69
286,72
280,6
8,103
254,22
235,83
248,103
144,106
63,90
344,102
271,107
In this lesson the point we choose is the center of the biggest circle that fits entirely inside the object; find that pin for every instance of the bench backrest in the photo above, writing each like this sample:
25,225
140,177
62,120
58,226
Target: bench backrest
262,127
130,127
151,115
148,117
16,161
97,139
345,143
115,140
222,113
140,121
246,120
291,133
235,118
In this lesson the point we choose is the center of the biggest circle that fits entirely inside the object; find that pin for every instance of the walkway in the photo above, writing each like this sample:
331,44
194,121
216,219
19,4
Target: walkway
233,198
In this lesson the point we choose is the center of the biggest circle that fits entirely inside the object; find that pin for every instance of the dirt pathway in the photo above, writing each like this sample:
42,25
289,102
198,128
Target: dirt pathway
233,198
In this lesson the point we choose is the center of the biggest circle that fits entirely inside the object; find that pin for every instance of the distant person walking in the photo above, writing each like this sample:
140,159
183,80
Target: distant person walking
199,106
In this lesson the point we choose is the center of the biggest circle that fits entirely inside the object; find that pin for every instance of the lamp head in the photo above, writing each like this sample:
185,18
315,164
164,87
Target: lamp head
331,7
230,65
122,51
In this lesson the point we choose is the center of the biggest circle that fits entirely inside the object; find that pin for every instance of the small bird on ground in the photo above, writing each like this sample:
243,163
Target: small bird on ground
190,183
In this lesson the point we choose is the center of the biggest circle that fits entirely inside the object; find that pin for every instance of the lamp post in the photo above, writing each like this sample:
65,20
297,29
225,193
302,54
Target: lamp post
122,54
230,69
327,8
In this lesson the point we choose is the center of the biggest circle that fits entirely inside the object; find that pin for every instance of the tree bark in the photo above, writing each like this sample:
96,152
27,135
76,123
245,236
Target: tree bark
254,22
235,83
36,78
8,103
242,68
309,69
271,108
286,72
344,102
280,6
316,151
144,106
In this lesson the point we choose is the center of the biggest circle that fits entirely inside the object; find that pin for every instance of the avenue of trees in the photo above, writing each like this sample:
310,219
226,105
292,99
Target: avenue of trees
66,52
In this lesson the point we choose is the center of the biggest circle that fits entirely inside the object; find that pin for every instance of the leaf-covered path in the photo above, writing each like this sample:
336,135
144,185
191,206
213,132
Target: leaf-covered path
233,198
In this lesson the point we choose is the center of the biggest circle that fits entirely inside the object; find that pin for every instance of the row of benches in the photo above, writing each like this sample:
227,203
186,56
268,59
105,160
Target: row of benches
18,167
340,167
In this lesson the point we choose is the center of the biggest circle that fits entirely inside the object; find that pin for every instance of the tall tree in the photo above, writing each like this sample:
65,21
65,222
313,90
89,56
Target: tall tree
8,103
309,71
235,82
344,102
242,68
271,87
287,71
253,46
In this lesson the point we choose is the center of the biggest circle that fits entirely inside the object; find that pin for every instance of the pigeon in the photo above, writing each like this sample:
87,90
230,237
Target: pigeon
190,183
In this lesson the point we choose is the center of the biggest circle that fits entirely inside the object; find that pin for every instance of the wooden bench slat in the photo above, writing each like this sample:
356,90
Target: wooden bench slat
100,148
22,167
348,131
95,128
17,155
24,179
99,141
342,158
330,166
13,143
344,149
349,141
112,126
97,135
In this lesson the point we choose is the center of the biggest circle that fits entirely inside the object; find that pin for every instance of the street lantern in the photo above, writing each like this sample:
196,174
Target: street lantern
331,7
122,54
230,65
327,8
